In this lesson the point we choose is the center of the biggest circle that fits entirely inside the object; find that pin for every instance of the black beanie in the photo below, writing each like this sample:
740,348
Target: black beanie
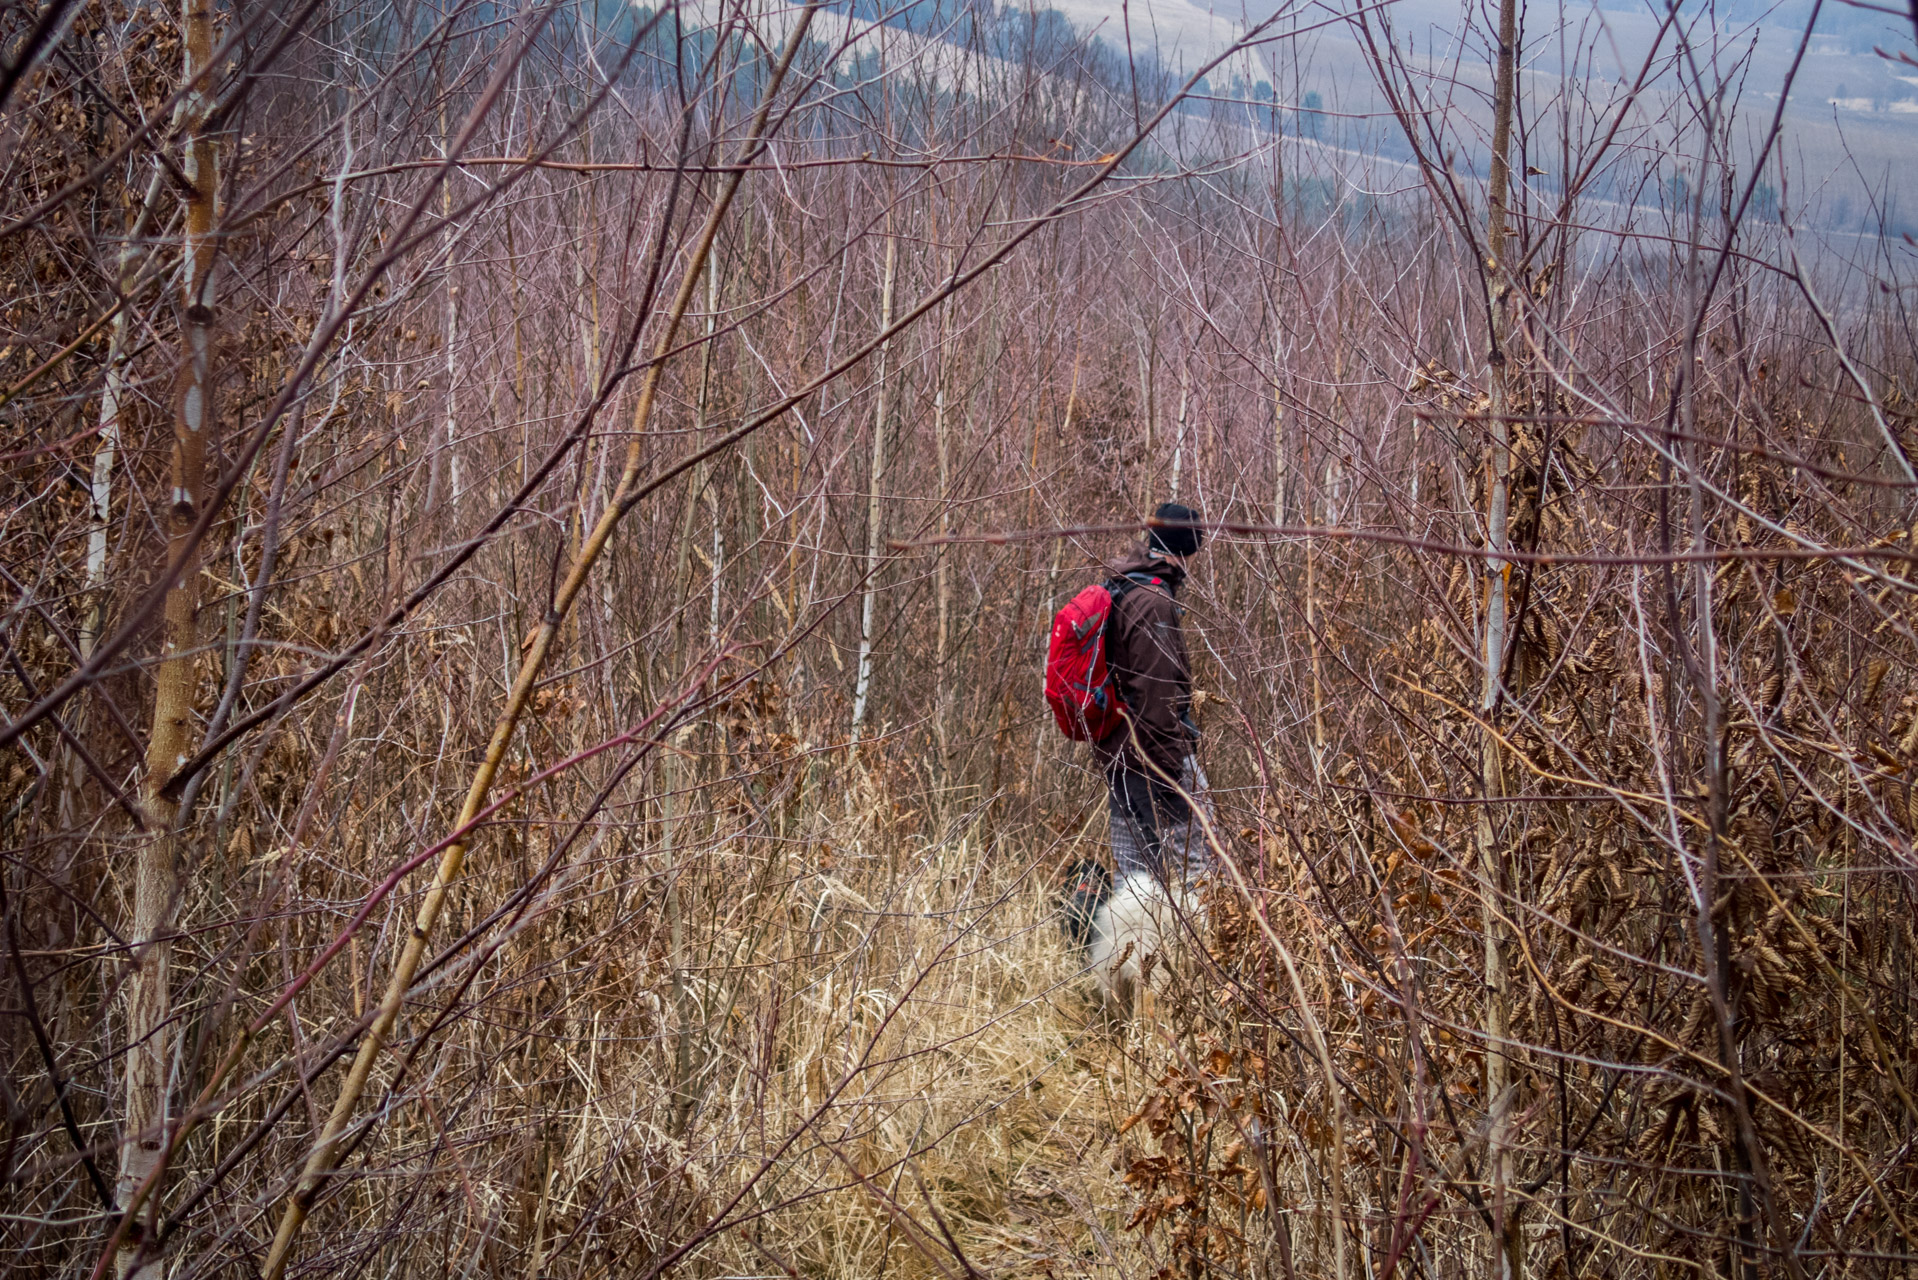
1174,530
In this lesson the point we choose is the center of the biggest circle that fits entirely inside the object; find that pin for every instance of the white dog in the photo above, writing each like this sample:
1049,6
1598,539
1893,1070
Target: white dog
1133,933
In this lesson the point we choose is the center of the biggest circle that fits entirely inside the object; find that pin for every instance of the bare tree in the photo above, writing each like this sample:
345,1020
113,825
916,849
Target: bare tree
585,730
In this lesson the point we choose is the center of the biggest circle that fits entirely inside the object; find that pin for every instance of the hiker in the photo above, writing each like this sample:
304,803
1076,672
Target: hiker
1117,676
1148,760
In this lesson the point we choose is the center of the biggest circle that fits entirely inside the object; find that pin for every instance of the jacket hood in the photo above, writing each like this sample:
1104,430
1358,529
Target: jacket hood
1139,560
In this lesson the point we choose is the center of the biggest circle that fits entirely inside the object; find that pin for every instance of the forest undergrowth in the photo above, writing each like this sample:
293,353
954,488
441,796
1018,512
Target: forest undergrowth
528,541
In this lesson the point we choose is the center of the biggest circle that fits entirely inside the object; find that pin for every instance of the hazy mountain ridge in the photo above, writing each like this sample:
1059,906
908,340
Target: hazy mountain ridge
1849,130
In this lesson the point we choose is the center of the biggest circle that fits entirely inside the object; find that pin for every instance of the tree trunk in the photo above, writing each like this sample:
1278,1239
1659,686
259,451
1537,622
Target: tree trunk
875,507
113,394
942,579
1278,428
1507,1260
106,453
157,884
1178,437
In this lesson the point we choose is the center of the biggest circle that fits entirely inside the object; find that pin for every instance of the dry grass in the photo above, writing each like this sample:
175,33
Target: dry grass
955,1083
733,983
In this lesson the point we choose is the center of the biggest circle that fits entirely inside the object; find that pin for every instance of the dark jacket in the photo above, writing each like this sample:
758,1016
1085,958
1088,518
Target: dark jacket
1145,650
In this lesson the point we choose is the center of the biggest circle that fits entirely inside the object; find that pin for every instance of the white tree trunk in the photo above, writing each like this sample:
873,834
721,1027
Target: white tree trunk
875,506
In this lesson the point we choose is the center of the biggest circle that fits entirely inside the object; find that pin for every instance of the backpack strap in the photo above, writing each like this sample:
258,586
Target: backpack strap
1122,585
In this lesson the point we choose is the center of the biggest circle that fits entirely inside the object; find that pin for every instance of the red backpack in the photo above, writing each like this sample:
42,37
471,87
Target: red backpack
1079,686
